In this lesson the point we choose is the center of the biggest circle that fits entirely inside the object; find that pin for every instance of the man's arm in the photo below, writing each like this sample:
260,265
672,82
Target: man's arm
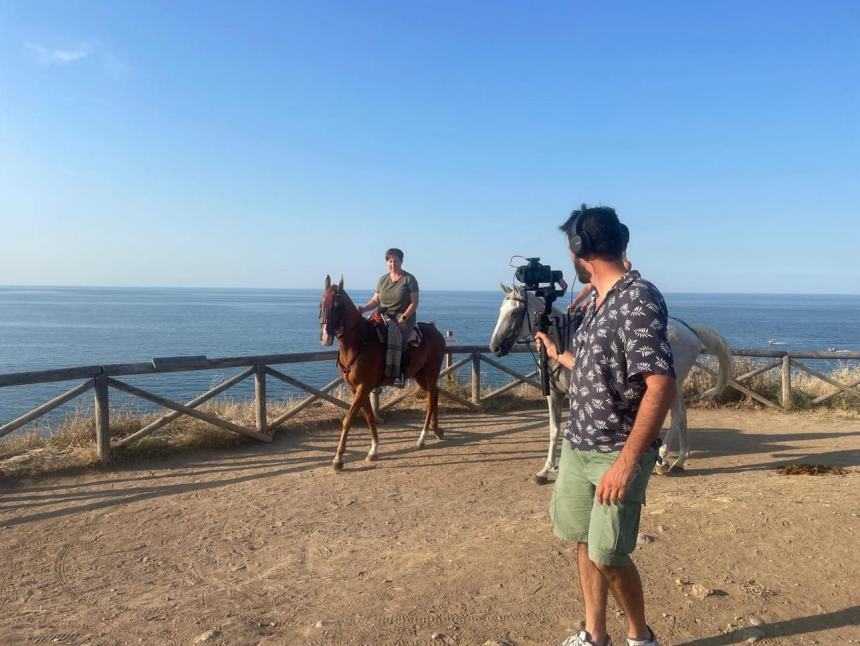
660,389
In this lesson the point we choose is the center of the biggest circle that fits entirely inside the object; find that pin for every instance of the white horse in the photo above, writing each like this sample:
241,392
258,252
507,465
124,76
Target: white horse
515,325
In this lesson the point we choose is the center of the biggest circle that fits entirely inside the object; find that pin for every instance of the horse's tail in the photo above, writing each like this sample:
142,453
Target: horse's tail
714,343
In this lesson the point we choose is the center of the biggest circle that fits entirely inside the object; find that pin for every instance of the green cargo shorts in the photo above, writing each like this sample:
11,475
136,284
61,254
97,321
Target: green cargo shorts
609,530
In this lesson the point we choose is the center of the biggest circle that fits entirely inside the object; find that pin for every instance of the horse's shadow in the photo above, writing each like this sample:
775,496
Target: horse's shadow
717,443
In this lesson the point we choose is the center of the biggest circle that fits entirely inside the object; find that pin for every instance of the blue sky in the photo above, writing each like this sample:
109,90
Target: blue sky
266,144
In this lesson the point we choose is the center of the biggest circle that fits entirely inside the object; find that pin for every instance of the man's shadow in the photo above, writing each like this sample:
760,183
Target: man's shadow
837,619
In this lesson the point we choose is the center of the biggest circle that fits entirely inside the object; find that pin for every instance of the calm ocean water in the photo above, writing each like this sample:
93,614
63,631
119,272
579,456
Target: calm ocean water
43,328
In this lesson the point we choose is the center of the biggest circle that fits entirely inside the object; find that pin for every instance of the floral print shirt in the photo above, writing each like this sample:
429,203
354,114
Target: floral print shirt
614,348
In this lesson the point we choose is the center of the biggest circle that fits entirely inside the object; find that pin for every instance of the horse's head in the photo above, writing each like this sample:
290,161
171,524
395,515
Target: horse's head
513,323
335,308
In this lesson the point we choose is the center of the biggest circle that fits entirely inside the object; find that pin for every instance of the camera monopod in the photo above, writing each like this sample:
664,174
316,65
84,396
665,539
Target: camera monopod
533,274
542,323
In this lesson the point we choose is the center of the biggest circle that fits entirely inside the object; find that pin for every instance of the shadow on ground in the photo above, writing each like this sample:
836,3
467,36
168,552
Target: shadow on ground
814,623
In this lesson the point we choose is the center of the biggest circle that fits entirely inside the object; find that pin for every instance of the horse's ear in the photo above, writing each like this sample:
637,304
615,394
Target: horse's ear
505,288
340,284
327,282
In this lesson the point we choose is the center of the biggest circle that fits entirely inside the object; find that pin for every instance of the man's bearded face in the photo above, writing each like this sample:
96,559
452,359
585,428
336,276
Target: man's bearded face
582,273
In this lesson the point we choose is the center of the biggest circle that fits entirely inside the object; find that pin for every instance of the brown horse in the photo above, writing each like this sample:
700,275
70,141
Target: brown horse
361,361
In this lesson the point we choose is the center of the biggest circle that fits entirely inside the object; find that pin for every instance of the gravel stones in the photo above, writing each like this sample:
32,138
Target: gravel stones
208,636
700,592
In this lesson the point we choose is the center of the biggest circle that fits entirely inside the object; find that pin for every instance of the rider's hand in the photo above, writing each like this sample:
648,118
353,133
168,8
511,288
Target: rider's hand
401,321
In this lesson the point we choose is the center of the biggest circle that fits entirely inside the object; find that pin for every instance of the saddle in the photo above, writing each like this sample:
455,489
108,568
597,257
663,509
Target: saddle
380,326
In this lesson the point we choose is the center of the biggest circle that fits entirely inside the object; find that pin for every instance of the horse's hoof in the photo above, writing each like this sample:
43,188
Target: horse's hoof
661,469
677,468
541,480
439,433
337,466
370,458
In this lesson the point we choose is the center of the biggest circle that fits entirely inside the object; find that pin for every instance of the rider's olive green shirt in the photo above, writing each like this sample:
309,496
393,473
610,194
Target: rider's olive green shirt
395,296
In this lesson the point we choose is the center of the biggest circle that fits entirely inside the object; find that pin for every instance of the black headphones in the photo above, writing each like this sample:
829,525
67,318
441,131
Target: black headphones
579,242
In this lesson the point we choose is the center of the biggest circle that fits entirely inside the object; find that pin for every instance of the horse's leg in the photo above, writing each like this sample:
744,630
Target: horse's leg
421,380
553,402
357,402
662,467
433,396
432,368
371,424
683,445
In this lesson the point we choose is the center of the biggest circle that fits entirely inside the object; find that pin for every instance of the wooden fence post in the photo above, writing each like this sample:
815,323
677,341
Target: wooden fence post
260,397
786,382
102,415
476,378
449,358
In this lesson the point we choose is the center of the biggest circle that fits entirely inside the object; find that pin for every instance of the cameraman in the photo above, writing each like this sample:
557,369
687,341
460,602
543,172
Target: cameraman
621,386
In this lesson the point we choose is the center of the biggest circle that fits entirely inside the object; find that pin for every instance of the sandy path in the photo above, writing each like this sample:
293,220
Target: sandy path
269,545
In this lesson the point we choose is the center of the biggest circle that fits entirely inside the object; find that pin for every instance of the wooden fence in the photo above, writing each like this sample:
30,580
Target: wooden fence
101,379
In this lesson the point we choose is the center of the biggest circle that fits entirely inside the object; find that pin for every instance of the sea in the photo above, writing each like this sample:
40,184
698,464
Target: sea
45,328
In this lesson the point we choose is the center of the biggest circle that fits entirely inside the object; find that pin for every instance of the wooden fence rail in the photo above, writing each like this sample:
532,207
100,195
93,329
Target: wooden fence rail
102,378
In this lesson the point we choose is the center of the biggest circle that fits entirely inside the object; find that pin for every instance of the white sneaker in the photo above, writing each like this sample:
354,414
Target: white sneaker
582,638
651,641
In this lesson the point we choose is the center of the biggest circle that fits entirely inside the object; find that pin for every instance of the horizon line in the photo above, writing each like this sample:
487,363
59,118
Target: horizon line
308,289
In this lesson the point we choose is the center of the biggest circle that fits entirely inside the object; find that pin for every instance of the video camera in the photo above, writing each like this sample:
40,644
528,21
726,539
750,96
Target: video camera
542,280
534,274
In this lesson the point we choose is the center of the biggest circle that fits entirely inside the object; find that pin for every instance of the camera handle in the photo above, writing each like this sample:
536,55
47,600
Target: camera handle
542,324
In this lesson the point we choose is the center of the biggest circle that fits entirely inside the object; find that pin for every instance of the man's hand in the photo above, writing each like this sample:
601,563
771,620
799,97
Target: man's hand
541,339
565,358
401,321
613,484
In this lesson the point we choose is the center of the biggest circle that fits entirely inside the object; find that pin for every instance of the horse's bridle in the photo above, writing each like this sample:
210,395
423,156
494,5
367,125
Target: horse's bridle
330,305
513,334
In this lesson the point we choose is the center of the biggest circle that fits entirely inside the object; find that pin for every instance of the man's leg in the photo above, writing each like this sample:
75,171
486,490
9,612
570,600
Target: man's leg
594,593
570,509
626,587
613,530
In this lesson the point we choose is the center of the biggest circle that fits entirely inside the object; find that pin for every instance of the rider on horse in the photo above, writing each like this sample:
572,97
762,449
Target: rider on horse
396,301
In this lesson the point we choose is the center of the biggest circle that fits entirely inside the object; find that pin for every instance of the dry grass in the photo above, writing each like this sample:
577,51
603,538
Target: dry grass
70,445
811,470
805,388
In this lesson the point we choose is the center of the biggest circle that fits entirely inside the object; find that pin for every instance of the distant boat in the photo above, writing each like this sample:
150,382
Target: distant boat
772,341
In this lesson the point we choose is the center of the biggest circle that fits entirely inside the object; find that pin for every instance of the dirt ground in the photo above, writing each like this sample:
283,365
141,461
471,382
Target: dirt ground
268,545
